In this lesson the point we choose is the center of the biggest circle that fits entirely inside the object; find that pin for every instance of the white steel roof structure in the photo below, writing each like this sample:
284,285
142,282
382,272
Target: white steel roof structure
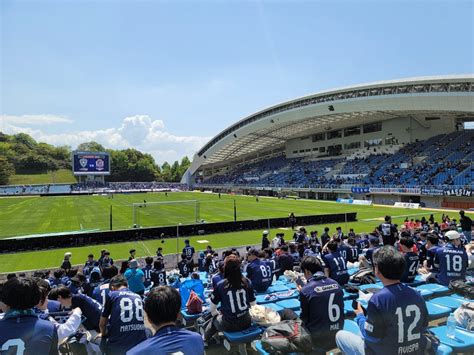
446,96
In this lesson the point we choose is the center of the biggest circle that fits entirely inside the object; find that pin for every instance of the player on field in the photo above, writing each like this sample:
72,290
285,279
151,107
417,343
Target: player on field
258,271
21,331
396,316
122,323
451,260
162,306
322,305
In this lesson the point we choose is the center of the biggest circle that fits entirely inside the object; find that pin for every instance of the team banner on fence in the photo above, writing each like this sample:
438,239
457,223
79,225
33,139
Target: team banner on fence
458,192
407,205
432,191
395,190
360,190
350,201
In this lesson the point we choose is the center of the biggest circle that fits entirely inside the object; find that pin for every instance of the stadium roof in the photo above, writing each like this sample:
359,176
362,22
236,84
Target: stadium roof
269,129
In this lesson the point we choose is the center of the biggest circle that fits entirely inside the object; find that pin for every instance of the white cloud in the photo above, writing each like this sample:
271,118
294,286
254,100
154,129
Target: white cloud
34,120
140,132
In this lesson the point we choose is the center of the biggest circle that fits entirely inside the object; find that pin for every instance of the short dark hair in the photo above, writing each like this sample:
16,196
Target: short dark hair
118,281
284,248
62,291
432,238
407,242
326,229
183,256
387,218
109,272
332,245
44,288
312,264
162,305
149,260
157,265
90,255
11,276
186,241
132,251
20,294
390,262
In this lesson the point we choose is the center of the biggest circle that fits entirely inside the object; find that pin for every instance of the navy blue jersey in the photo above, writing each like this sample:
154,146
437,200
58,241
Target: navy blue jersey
202,265
125,327
322,305
395,322
273,262
185,268
53,306
158,277
286,262
106,262
362,244
101,292
411,268
24,333
216,279
170,340
337,267
260,273
452,263
188,251
147,272
90,308
350,254
235,302
430,258
369,255
54,282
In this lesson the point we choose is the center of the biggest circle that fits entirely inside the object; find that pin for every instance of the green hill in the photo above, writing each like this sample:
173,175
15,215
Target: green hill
51,177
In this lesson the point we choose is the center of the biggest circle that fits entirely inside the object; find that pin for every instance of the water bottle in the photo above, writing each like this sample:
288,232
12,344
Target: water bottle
451,326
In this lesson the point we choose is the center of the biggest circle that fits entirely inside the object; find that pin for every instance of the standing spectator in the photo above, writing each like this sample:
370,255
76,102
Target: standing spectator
21,331
451,260
335,265
322,305
339,234
135,278
258,271
66,264
412,259
396,316
235,294
292,220
132,254
185,266
121,324
466,226
162,307
188,250
106,260
325,236
89,265
159,252
158,274
102,290
265,240
388,231
147,271
90,308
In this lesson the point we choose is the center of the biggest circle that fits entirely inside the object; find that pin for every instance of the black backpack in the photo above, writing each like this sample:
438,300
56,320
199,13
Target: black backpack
462,288
363,277
287,337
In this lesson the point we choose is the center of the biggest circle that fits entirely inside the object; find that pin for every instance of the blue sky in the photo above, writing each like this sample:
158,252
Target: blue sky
165,76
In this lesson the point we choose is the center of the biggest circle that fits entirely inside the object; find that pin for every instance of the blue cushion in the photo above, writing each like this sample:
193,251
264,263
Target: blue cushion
261,299
447,301
464,340
259,348
365,287
461,298
348,310
436,311
292,303
290,285
298,313
279,283
294,294
418,281
283,278
349,296
443,349
190,317
424,293
274,306
352,270
244,336
277,288
351,326
435,288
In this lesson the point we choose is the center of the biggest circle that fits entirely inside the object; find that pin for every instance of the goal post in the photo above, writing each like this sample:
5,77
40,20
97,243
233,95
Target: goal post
154,214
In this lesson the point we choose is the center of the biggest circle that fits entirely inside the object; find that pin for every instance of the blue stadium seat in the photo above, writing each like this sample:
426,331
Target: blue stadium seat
352,271
351,326
291,286
241,338
264,299
277,288
417,282
437,289
350,296
294,294
189,318
375,285
463,342
447,301
443,349
461,298
292,304
274,306
424,293
348,310
435,311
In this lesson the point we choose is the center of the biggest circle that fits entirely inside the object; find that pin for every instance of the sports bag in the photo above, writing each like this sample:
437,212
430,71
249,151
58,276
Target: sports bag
194,304
465,316
462,288
363,277
287,337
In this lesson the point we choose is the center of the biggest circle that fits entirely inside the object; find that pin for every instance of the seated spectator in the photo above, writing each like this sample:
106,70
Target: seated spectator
147,271
132,253
335,266
135,278
272,260
322,305
56,279
219,276
432,247
106,260
21,331
121,323
185,266
373,247
285,261
89,265
258,271
66,264
396,316
95,279
411,259
202,262
90,308
158,274
102,290
451,260
162,307
235,294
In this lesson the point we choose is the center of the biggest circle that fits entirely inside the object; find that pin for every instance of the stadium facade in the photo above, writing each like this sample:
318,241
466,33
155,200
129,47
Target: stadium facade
355,121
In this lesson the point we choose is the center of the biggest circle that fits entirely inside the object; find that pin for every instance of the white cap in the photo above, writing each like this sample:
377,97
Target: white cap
265,232
452,235
68,254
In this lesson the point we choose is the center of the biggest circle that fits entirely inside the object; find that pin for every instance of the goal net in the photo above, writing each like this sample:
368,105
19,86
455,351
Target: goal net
155,214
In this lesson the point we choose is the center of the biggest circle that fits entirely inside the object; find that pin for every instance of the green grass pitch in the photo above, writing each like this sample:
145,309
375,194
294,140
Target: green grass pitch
36,215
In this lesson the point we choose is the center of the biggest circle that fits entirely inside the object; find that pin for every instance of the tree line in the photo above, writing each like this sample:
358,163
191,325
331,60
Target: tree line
21,154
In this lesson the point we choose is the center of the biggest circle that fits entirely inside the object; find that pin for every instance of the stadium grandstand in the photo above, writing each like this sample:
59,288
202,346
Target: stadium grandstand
408,140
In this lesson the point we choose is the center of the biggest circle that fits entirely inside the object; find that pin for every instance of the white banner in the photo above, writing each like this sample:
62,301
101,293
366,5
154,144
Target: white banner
407,205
